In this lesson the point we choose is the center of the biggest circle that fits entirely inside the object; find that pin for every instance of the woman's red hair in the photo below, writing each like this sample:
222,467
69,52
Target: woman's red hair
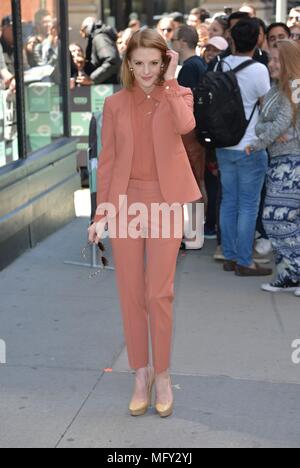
148,39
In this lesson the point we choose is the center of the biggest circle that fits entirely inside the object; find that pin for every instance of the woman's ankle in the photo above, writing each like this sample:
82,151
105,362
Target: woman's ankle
163,376
143,372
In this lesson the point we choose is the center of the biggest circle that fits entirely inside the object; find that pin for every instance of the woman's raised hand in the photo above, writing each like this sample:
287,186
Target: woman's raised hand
172,68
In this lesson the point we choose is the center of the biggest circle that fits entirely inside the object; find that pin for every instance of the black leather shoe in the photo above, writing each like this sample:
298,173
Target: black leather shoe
229,266
257,271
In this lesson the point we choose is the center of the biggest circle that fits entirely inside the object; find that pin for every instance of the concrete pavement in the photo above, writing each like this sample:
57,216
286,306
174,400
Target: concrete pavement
234,381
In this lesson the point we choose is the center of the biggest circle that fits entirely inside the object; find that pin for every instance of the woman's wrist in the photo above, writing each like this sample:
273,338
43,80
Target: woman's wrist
171,81
172,84
170,78
174,60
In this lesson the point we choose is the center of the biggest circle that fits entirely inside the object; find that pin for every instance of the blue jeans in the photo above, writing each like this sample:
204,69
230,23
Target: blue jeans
242,179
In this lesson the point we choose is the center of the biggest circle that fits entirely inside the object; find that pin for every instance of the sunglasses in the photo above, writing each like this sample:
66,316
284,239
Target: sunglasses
297,18
104,261
169,30
295,37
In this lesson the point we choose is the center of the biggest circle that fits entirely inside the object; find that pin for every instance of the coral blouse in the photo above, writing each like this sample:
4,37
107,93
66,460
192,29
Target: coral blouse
145,105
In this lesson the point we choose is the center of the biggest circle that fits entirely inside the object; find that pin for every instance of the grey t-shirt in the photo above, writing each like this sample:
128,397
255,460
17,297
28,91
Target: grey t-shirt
276,120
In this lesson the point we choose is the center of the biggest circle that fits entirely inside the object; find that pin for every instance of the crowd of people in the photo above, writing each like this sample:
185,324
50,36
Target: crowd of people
106,48
41,52
7,81
251,191
41,45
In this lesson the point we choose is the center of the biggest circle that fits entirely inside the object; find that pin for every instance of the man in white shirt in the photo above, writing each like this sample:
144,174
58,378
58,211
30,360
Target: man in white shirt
243,175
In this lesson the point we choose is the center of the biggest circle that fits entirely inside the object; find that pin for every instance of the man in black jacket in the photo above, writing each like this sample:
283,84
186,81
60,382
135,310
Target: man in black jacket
102,56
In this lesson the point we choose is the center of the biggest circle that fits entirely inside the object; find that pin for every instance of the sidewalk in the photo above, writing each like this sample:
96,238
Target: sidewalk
234,381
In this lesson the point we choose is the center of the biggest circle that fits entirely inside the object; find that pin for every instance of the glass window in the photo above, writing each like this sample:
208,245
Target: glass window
8,129
41,57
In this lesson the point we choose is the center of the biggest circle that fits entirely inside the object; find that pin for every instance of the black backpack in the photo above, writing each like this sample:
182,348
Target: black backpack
219,109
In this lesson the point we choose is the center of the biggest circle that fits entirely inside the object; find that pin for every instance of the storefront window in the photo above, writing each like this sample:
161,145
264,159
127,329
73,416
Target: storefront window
42,77
8,129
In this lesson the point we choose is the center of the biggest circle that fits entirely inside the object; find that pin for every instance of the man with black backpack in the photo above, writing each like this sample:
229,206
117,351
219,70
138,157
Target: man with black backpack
242,175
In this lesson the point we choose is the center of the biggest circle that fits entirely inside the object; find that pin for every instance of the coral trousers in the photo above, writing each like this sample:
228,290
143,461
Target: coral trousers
145,273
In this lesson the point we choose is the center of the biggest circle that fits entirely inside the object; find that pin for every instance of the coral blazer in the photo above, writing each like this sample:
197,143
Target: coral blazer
173,118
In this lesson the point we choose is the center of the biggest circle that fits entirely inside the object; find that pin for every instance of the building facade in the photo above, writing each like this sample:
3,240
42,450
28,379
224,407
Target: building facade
117,12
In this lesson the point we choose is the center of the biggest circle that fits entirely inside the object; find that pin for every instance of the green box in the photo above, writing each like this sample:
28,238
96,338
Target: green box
99,94
43,97
81,124
38,141
50,124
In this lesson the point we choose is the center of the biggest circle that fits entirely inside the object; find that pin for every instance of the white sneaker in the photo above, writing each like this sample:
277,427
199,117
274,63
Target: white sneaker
260,259
219,256
297,293
263,246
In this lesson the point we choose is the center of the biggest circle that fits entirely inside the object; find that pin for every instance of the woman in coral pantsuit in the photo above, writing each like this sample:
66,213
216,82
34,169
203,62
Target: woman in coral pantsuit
143,158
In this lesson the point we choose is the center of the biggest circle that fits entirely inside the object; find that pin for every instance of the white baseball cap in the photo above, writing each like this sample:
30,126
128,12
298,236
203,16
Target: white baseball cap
219,43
